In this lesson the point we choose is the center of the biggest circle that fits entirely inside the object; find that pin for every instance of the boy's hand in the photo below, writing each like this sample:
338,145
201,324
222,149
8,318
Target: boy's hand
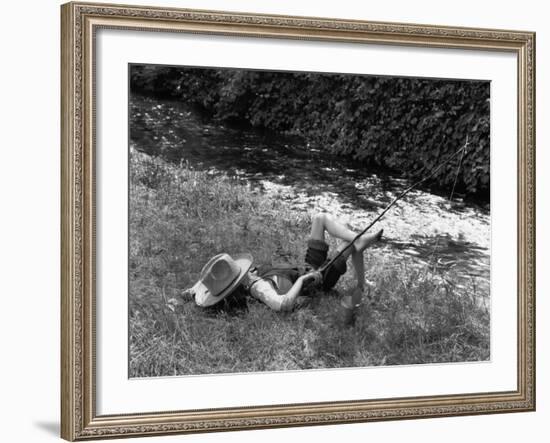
313,277
176,304
187,295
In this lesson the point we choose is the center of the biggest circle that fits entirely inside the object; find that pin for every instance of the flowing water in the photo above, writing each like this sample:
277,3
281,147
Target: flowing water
448,234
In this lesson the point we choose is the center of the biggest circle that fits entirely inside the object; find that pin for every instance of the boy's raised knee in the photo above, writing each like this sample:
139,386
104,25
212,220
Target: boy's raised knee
319,217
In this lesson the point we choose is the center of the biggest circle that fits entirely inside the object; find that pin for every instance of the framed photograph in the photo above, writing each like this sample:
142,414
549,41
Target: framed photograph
282,221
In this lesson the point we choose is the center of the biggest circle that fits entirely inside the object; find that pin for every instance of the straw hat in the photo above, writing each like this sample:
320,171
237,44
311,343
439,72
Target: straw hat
219,277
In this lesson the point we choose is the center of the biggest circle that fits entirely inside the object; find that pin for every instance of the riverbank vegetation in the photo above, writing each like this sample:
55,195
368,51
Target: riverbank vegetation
405,125
180,217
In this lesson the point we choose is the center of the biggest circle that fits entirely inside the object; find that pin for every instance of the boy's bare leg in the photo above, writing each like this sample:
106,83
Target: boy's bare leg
350,302
325,222
359,267
322,222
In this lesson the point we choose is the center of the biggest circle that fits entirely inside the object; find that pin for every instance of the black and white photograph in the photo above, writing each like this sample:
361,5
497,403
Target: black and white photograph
273,221
306,220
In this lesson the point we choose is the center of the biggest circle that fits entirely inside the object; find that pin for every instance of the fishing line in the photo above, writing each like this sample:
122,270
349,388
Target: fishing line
436,246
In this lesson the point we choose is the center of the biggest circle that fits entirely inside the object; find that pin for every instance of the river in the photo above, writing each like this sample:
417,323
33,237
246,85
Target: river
449,234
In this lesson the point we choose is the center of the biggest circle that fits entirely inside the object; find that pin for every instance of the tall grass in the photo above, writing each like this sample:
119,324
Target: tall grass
180,217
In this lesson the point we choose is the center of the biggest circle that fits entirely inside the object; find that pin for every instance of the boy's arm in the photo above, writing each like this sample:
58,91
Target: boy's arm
289,299
186,295
263,291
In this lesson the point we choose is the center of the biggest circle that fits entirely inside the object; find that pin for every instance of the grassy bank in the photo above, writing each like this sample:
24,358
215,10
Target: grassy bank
180,217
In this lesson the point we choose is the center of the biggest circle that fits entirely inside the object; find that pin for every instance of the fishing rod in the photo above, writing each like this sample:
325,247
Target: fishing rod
393,202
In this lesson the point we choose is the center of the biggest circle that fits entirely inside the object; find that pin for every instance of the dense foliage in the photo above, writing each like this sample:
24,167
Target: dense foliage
407,125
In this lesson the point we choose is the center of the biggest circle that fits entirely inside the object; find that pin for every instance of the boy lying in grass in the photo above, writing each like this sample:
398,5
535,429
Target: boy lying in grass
280,288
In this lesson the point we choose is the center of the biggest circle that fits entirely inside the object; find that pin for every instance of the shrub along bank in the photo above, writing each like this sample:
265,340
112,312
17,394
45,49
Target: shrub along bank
407,125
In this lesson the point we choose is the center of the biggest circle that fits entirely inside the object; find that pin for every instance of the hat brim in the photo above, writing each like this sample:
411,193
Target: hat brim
204,298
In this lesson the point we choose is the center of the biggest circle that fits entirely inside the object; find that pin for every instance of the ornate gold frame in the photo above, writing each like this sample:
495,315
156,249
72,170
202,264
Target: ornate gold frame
79,21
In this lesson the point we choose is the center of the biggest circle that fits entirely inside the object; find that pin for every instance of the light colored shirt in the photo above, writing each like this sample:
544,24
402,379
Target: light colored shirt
264,290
